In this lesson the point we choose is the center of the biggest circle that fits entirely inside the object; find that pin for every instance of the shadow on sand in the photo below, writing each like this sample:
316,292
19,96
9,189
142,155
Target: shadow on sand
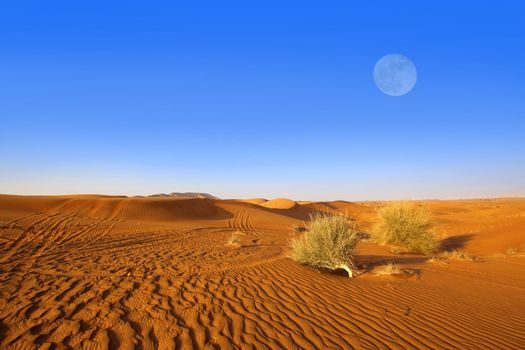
455,242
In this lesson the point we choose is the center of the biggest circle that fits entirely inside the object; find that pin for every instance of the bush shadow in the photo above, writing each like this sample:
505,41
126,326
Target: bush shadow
369,262
455,242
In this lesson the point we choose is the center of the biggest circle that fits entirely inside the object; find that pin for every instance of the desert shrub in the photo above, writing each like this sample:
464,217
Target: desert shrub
297,229
460,255
405,226
328,242
235,240
390,269
511,251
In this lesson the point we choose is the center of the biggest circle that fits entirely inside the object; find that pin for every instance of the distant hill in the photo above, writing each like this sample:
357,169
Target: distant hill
185,195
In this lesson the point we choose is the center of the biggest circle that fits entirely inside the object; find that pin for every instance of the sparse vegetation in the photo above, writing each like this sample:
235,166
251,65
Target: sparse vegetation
511,251
328,242
390,269
405,226
460,255
508,252
235,240
297,229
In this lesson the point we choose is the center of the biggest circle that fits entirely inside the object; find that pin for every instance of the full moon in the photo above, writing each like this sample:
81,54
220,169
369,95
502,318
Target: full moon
395,75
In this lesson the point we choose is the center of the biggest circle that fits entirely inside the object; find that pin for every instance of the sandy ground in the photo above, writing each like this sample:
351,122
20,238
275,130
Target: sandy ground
97,272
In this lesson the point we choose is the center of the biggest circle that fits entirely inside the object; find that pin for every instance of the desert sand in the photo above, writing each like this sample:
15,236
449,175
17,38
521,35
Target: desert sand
101,272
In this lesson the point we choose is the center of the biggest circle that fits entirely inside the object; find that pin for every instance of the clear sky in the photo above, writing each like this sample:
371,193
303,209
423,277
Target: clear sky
261,98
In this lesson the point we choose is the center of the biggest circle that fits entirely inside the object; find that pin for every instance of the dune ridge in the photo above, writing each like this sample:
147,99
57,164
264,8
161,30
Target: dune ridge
185,195
279,203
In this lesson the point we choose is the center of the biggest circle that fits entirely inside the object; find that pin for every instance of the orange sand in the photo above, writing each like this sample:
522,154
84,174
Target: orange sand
279,203
99,272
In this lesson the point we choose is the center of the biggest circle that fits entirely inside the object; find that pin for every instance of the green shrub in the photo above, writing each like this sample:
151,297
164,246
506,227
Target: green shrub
328,242
406,226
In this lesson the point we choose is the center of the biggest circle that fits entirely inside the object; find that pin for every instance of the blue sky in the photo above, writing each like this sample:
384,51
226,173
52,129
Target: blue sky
261,98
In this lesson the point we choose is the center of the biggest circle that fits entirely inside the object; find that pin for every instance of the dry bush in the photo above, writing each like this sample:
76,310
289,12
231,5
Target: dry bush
508,252
405,226
297,229
511,251
460,255
329,243
235,240
390,269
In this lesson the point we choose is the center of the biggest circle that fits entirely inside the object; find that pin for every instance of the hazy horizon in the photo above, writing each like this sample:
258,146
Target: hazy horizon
355,199
262,99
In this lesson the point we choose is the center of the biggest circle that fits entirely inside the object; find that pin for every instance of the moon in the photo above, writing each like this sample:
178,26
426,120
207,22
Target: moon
395,75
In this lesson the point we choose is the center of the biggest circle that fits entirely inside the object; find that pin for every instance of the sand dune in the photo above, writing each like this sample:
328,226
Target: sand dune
279,203
102,272
254,200
185,195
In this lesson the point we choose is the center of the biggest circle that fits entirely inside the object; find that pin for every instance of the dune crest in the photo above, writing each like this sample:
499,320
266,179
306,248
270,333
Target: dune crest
185,195
254,200
279,203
